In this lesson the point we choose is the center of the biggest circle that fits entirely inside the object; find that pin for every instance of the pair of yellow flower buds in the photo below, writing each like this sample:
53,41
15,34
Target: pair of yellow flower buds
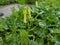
29,12
25,14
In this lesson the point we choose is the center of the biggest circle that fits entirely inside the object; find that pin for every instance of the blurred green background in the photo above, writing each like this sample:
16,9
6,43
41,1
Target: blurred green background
44,2
2,2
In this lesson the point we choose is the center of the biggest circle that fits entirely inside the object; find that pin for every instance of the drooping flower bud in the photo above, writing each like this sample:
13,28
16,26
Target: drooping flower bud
24,13
29,12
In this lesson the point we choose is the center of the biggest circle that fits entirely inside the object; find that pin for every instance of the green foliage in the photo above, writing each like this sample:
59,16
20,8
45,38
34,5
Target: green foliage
42,28
3,2
21,1
42,2
24,37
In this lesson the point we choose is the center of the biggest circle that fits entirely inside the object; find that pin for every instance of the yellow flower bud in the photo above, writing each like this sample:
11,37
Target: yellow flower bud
36,3
29,12
24,13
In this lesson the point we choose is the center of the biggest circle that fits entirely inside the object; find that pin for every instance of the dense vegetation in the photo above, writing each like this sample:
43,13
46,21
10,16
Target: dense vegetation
46,2
4,2
35,25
